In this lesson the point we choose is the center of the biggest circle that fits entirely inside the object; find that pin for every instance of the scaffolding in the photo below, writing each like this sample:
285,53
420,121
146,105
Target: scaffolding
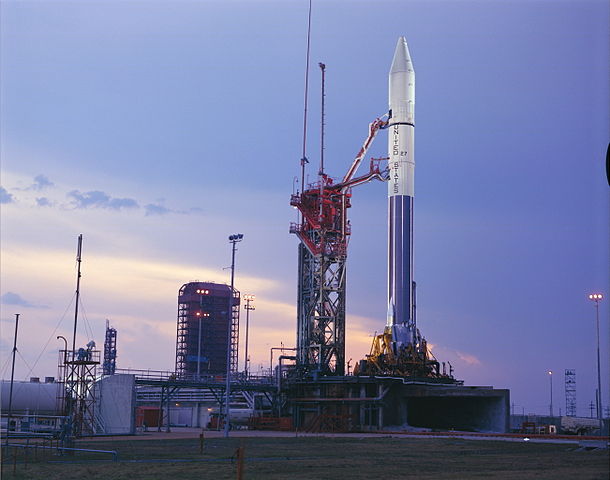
234,332
570,387
77,375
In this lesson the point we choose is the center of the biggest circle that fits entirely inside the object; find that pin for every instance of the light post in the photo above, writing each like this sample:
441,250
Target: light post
248,298
551,404
597,297
233,239
198,314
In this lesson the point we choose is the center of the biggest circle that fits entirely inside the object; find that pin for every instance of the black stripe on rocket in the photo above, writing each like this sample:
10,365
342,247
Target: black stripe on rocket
400,260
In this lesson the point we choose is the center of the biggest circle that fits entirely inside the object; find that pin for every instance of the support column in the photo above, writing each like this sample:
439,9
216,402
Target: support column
167,429
380,409
362,405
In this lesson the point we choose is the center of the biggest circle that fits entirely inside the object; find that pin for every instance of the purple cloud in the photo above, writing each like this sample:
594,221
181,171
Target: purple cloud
6,197
10,298
99,199
152,209
44,202
41,182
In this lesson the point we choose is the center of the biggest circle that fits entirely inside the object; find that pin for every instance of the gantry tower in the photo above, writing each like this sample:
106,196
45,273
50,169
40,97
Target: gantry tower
324,234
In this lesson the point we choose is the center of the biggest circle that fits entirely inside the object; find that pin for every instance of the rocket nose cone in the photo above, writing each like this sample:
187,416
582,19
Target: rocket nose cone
402,58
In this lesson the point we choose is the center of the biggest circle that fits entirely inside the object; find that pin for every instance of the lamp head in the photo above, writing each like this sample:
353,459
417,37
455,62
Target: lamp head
236,237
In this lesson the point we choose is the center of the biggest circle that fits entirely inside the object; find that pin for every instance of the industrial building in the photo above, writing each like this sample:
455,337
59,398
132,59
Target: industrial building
202,327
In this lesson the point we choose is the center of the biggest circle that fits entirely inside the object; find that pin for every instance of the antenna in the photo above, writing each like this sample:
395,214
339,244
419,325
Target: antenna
321,171
323,68
78,275
304,155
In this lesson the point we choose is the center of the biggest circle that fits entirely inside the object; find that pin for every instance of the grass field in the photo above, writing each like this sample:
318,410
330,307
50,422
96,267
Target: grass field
317,458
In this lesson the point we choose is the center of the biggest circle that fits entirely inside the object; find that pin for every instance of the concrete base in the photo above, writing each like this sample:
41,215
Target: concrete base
377,403
452,407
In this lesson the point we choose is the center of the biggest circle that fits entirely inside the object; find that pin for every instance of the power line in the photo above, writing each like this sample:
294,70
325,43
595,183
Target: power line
44,349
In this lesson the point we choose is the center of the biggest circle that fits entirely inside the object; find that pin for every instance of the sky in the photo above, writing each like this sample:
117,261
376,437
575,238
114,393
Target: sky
157,129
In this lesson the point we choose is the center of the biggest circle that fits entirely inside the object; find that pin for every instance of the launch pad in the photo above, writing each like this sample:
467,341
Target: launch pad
400,384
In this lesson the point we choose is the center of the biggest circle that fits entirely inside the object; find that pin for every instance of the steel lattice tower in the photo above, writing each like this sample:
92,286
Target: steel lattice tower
324,232
78,374
109,365
570,386
321,284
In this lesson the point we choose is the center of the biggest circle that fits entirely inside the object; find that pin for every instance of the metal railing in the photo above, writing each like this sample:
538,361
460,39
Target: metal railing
114,453
163,375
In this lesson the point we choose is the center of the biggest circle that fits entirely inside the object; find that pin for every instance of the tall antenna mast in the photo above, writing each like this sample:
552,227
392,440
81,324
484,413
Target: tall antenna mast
323,68
321,171
304,154
78,275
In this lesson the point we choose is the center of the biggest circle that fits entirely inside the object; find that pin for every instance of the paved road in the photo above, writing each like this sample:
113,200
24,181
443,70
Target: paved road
185,432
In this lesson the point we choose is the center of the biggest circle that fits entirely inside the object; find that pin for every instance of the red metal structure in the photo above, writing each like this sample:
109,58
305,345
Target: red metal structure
323,233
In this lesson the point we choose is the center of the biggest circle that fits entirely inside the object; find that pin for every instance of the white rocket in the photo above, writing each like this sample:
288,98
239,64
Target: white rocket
401,163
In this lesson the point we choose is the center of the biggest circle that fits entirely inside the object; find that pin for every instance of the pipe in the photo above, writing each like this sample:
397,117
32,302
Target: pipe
279,373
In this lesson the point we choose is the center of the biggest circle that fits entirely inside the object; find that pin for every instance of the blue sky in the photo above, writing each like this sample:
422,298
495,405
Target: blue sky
157,129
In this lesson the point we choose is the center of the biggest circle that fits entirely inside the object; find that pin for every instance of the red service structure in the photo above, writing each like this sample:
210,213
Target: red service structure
324,233
202,329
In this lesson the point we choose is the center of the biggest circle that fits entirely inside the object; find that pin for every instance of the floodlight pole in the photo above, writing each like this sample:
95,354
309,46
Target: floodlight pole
599,378
233,239
199,349
247,307
597,297
551,381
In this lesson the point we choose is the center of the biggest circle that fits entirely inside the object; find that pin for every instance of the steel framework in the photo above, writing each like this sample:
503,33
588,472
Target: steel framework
321,284
77,374
324,234
570,386
205,305
234,331
109,365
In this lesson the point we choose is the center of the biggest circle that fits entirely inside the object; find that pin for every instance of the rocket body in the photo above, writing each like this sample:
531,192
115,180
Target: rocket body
401,163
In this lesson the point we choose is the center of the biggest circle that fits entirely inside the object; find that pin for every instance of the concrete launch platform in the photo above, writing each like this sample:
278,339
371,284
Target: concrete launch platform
358,403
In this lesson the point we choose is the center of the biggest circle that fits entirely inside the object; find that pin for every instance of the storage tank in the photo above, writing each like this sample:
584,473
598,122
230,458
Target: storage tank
33,398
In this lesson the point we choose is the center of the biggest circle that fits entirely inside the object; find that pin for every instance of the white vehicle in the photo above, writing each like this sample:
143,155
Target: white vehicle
579,425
